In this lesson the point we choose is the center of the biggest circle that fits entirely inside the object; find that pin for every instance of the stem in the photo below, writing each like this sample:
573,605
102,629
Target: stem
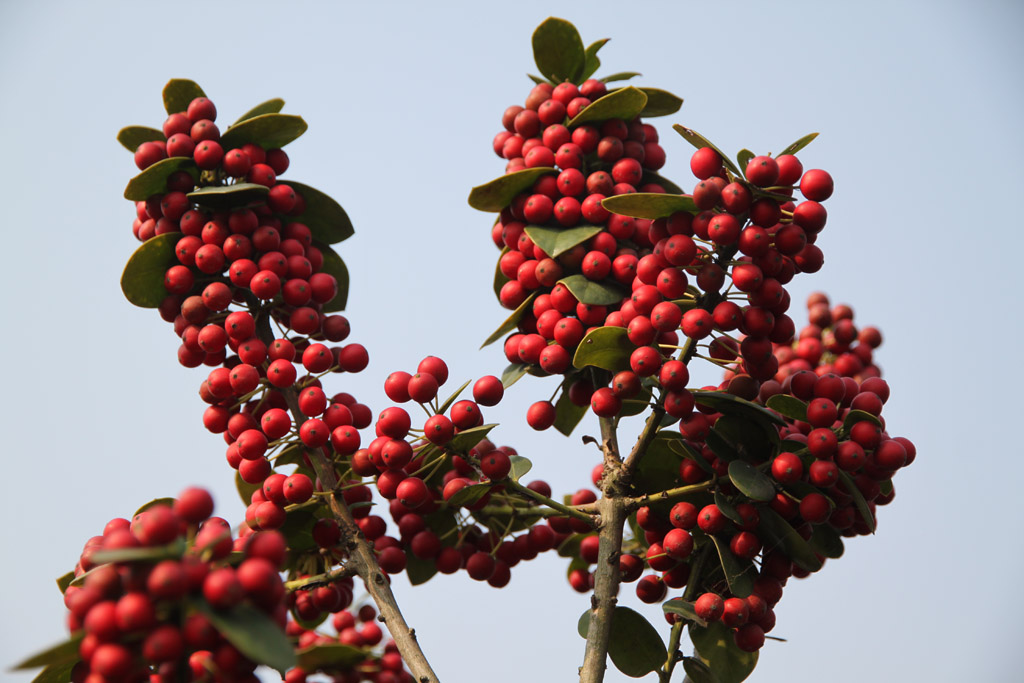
646,436
669,496
512,485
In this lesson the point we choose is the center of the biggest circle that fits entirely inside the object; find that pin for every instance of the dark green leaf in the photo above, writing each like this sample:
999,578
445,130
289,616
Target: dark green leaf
716,647
179,93
66,651
513,373
468,495
255,634
583,625
499,193
635,646
511,322
64,581
697,671
590,292
154,179
558,50
607,348
625,103
591,63
621,76
520,466
323,216
468,438
855,416
310,624
269,131
685,450
169,502
826,541
728,404
223,197
670,187
298,529
649,204
567,414
636,405
170,551
660,103
658,467
58,672
750,439
131,137
334,655
799,144
245,489
537,79
557,241
739,574
743,157
452,398
333,265
787,405
698,141
499,277
727,508
419,571
858,499
775,532
269,107
683,609
570,547
885,487
751,482
143,279
720,446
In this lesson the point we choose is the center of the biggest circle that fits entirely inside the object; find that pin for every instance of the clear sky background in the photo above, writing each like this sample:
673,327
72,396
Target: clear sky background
918,105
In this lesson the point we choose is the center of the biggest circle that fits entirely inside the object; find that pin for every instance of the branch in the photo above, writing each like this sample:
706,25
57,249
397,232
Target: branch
567,510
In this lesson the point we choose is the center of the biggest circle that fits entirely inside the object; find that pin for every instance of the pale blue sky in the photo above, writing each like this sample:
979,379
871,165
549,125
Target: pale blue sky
918,105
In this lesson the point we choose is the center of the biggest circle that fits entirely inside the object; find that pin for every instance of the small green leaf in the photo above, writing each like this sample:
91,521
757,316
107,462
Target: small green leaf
269,107
245,489
333,265
567,414
716,647
269,131
607,348
499,193
499,277
511,322
855,416
179,93
131,137
298,529
557,241
625,103
58,672
720,446
451,399
66,651
684,609
537,79
799,144
583,625
419,572
685,450
885,487
468,438
652,177
775,532
591,63
168,502
558,50
324,217
635,646
739,574
173,550
826,541
727,508
590,292
255,634
743,157
310,624
698,141
751,482
787,405
335,655
660,103
520,466
659,464
154,179
858,499
513,373
223,197
64,581
143,279
748,437
728,404
621,76
650,205
697,671
468,495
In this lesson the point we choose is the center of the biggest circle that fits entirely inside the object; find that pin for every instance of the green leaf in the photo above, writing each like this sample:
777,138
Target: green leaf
245,489
799,144
557,241
651,205
583,625
269,131
746,437
64,581
855,416
269,107
468,495
739,574
685,450
743,157
621,76
324,217
298,529
169,502
660,103
452,398
716,647
537,79
590,62
520,466
511,322
625,103
697,671
419,572
335,655
720,446
333,265
468,438
154,179
751,482
310,624
255,634
499,193
223,197
179,93
776,532
652,177
698,141
513,373
590,292
131,137
567,414
658,467
787,405
858,500
66,651
607,348
684,609
58,672
499,277
558,50
171,551
826,541
635,646
729,404
727,508
143,279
